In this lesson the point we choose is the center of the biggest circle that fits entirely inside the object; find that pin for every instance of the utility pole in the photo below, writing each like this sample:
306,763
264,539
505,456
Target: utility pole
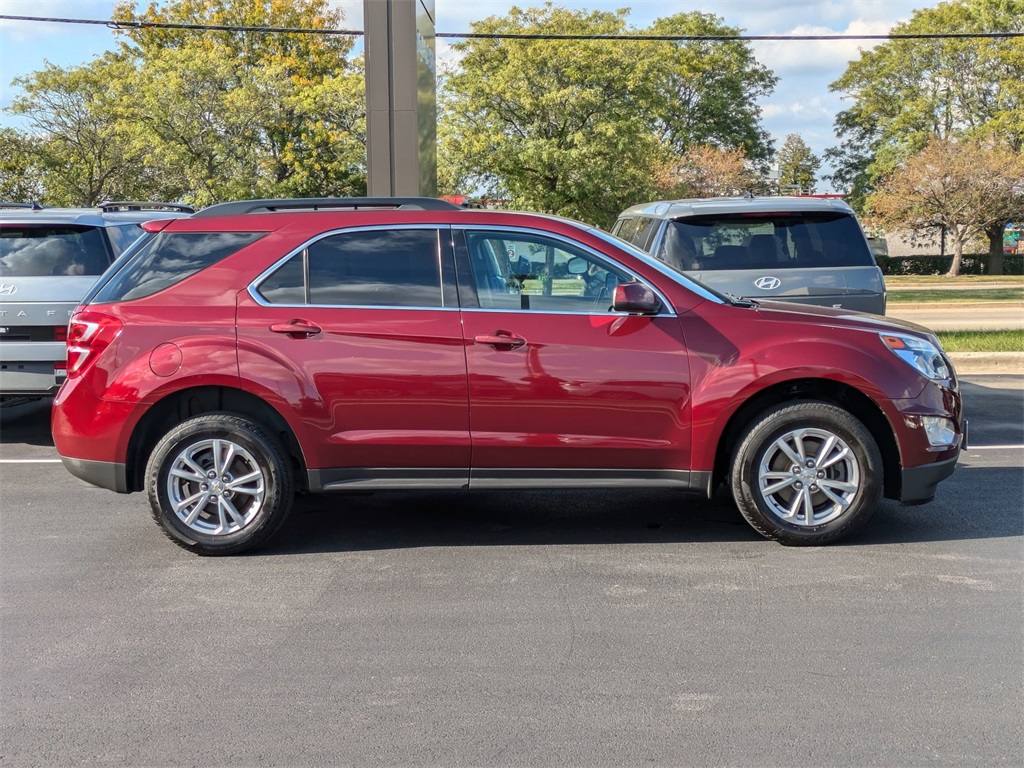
401,97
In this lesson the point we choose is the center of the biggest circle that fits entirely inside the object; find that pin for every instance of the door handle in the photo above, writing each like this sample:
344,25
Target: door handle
501,339
297,329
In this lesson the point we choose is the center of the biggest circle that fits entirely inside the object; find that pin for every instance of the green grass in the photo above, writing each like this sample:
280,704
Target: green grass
896,281
914,296
982,341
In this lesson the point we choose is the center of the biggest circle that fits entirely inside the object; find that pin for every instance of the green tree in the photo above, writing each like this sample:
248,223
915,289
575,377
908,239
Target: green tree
82,151
959,186
250,113
583,127
202,116
550,124
704,91
907,91
20,172
798,166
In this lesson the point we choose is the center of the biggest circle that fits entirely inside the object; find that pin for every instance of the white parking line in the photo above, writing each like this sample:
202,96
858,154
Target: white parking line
995,447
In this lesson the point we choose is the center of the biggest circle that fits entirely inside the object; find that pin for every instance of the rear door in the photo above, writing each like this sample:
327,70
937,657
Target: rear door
357,335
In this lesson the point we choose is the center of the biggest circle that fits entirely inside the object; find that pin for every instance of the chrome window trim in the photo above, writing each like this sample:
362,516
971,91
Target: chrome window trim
253,287
668,309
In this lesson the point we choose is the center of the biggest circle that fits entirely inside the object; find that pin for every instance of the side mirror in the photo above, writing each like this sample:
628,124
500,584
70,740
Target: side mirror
635,298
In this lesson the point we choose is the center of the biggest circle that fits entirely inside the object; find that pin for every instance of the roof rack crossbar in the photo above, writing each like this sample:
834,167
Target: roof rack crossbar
328,203
128,205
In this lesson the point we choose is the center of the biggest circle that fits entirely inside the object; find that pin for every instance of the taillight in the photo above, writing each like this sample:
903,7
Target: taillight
89,333
60,333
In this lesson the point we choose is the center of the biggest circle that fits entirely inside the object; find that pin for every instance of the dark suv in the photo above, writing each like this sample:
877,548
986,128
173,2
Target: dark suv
262,348
49,258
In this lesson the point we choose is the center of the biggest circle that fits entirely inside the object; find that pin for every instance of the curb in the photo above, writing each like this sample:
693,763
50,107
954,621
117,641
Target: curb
987,362
932,306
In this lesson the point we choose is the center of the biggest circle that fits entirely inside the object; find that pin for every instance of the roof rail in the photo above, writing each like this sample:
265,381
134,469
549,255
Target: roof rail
121,205
33,205
328,203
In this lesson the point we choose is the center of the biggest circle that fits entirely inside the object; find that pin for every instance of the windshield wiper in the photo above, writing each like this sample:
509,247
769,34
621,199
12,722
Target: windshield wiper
742,301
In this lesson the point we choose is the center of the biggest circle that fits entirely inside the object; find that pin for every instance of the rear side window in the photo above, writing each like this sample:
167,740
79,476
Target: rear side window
43,251
123,235
639,231
169,258
766,241
370,268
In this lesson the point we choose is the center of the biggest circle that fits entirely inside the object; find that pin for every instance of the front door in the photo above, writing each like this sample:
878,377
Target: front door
563,391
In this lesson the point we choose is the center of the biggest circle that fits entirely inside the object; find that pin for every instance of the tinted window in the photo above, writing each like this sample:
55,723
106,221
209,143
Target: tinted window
169,258
123,235
382,268
766,241
515,270
36,251
645,233
287,284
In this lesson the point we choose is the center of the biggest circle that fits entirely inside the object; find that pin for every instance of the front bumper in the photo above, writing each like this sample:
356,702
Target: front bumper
919,483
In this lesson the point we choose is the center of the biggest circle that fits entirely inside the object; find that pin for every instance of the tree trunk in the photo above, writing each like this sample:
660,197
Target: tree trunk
958,255
995,248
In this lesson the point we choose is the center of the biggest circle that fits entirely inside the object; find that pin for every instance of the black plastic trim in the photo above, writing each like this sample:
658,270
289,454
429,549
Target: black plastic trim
326,204
384,479
919,483
106,474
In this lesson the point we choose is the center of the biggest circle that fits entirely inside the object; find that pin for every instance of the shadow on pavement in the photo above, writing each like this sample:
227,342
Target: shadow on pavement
27,423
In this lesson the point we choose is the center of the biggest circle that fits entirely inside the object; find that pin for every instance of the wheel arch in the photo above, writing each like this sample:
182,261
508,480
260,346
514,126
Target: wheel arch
195,401
824,390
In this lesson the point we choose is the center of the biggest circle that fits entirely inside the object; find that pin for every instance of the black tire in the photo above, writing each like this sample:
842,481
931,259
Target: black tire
238,509
814,503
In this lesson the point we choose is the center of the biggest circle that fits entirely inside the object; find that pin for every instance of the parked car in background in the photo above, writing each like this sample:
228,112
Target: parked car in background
807,250
262,348
49,258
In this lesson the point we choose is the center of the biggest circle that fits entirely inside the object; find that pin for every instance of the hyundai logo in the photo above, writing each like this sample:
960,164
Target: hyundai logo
8,289
767,283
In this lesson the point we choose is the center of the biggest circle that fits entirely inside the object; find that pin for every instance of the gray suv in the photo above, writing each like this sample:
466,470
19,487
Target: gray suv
49,258
807,250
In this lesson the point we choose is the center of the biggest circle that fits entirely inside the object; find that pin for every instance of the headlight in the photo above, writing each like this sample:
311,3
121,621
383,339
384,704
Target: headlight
923,355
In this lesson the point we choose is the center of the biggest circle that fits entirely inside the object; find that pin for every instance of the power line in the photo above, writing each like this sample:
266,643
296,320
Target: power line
511,35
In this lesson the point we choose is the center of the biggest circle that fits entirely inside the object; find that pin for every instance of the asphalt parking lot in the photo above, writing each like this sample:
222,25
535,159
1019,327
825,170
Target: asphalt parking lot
529,629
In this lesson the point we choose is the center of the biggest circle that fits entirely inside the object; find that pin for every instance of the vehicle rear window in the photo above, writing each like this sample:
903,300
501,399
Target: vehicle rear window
169,258
765,241
42,251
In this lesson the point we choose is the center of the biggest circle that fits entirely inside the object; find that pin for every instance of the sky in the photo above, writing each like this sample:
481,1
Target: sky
801,102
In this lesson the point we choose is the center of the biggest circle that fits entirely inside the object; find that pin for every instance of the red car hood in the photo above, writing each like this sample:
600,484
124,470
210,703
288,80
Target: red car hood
781,310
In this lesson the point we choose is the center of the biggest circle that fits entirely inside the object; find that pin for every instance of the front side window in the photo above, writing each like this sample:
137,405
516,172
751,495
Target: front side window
42,251
515,270
377,268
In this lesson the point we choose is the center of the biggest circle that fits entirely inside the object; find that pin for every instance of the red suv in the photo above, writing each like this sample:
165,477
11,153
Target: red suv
262,348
